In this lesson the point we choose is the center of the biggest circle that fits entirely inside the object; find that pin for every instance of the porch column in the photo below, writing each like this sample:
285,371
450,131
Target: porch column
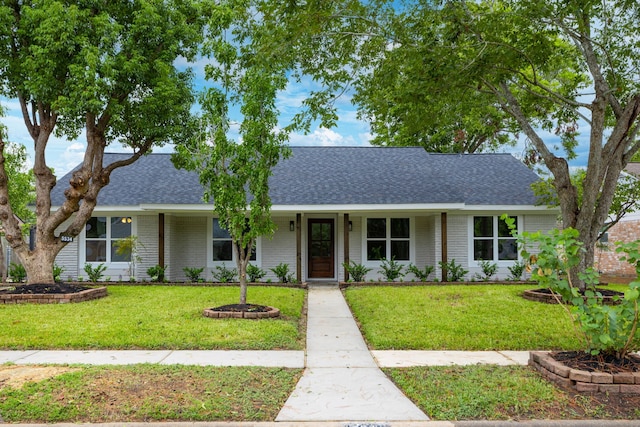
443,242
161,240
299,248
346,246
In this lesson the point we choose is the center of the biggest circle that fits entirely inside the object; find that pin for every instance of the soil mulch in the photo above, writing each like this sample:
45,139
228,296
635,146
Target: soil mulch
58,288
245,308
601,363
604,292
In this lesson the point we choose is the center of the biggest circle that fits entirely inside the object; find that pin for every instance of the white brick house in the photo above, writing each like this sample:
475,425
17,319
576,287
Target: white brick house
331,204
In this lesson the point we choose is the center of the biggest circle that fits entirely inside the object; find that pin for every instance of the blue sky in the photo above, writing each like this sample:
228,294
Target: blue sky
63,155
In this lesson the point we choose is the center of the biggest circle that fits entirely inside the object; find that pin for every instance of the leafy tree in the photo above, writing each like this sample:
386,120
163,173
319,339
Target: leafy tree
108,71
236,172
492,69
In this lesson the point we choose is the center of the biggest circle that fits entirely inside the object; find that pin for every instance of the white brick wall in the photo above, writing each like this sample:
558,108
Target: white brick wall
68,256
148,239
280,249
189,242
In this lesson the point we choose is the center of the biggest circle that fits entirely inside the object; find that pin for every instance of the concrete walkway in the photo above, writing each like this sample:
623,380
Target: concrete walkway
342,381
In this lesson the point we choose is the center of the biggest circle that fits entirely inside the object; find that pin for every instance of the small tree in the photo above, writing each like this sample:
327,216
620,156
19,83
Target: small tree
236,173
129,247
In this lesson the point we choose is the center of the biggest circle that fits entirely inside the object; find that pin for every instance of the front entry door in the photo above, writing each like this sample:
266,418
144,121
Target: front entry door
321,249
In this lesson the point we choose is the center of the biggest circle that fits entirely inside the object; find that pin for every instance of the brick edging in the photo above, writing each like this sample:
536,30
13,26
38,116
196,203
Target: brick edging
86,295
271,312
584,381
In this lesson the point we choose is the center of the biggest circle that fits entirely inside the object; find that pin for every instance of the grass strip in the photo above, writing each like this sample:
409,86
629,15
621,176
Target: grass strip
155,317
456,317
146,393
490,392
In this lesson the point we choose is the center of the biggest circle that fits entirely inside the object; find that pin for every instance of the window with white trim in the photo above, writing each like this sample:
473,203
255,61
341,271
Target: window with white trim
101,236
388,238
223,244
492,239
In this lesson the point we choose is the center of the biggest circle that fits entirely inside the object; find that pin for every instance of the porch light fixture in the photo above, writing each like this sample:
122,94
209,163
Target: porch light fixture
350,226
292,226
126,220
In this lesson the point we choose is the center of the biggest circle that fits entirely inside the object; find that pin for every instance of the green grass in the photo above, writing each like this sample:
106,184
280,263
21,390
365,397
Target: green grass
483,317
490,392
151,393
155,317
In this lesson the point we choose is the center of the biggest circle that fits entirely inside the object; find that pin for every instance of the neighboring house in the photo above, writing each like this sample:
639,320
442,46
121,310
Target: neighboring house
331,205
627,230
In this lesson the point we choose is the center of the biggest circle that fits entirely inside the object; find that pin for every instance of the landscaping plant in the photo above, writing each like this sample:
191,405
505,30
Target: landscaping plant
156,273
255,273
17,272
57,272
391,269
517,270
455,272
608,330
421,274
489,269
357,272
94,273
223,274
282,273
193,273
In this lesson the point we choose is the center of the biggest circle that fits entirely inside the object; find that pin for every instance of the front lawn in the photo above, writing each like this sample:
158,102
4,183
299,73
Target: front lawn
155,317
457,317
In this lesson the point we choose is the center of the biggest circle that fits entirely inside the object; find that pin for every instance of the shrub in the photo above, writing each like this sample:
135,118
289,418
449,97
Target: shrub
357,272
489,269
455,272
255,273
17,272
282,273
193,273
517,270
422,275
156,273
94,273
391,269
223,274
57,273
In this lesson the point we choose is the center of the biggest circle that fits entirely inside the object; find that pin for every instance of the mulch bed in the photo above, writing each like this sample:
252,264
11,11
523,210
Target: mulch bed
245,308
600,363
58,288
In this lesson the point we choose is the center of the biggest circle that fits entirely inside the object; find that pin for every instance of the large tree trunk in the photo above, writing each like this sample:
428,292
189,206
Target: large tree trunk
243,255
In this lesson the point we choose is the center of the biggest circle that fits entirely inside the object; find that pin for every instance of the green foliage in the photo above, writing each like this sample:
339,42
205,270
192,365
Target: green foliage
255,273
357,272
282,273
607,329
421,274
17,272
156,273
193,273
223,274
95,273
517,270
57,272
489,269
391,269
455,272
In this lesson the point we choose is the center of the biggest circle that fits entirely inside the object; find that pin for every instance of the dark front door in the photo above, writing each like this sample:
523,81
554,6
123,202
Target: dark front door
321,250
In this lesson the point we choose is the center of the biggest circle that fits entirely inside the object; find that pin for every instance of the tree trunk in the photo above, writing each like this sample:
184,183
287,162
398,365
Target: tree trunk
3,263
39,264
243,255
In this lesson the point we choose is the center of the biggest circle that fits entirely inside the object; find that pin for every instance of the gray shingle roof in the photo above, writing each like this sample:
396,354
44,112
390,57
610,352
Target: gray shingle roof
338,176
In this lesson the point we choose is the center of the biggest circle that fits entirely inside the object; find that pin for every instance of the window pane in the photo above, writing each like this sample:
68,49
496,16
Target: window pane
376,249
400,250
120,227
253,253
400,228
503,229
482,250
96,251
96,227
218,231
126,257
376,228
222,250
482,226
507,249
320,249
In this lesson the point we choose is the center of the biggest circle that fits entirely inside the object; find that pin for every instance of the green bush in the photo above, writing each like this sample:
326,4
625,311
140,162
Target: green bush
517,270
223,274
455,272
391,269
193,273
17,272
57,273
156,273
255,273
95,273
357,272
282,273
421,274
489,269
